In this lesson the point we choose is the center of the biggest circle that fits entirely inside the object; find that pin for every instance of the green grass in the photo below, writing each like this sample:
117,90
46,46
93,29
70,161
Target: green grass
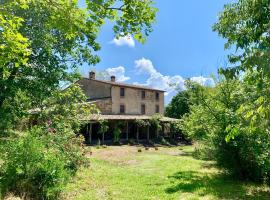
123,173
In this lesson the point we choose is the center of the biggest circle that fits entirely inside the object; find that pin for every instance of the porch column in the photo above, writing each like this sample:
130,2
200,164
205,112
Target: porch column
137,134
163,130
87,133
127,130
90,133
147,133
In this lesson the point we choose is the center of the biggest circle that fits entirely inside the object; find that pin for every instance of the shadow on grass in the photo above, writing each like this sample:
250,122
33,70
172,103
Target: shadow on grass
221,186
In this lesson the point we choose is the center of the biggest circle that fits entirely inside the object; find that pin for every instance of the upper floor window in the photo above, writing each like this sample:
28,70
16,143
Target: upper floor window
157,96
143,109
143,94
122,109
157,108
122,92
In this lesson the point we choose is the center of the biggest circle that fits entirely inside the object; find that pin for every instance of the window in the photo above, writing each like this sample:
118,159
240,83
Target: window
157,108
122,108
143,109
157,96
122,92
143,94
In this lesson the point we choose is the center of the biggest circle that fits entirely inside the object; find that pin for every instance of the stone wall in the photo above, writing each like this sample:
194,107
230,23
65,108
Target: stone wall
94,89
104,105
133,101
109,100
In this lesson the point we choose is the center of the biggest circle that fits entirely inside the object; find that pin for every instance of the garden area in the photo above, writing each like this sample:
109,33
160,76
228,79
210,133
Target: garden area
122,172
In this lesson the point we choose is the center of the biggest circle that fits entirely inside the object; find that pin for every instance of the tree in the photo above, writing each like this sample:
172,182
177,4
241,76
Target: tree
245,25
43,42
178,106
103,128
231,123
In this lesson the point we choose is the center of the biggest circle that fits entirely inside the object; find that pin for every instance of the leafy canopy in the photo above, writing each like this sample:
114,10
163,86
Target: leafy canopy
43,42
245,24
178,106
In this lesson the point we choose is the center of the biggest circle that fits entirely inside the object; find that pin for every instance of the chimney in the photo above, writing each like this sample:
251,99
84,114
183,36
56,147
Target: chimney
112,78
92,75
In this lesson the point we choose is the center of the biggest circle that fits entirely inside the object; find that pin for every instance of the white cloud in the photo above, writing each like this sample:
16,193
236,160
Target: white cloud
125,40
171,84
145,66
203,80
118,72
156,79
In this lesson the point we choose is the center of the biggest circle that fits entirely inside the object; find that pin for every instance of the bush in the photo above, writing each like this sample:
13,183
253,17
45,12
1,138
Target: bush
38,164
230,122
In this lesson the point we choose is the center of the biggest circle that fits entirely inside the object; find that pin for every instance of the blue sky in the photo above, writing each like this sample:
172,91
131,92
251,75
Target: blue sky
181,46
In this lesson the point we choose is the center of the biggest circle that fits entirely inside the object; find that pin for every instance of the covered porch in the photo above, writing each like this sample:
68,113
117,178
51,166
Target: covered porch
128,128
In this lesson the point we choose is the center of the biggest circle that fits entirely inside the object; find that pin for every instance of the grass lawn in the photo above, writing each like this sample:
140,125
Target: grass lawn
123,173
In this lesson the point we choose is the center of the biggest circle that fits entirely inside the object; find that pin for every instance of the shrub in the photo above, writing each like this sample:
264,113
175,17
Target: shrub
103,128
230,122
38,163
117,132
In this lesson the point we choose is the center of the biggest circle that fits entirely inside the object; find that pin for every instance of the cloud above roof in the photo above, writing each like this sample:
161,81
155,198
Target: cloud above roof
124,41
118,72
156,79
171,84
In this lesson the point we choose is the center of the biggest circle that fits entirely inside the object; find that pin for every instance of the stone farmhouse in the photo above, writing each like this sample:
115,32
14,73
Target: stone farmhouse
121,103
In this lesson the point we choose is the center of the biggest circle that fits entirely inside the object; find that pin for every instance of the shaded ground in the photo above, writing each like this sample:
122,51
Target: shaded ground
167,173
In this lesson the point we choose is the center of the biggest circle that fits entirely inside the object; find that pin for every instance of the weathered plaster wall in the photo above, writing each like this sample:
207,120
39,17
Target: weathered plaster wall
112,100
104,105
133,101
94,89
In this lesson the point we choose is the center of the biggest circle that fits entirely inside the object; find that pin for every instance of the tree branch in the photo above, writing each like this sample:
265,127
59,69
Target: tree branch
114,8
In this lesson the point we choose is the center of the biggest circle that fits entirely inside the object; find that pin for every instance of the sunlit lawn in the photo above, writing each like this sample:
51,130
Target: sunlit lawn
123,173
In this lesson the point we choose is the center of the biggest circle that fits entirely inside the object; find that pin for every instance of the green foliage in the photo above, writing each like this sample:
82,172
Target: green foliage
142,123
155,121
245,25
43,42
117,132
104,126
232,121
178,105
39,163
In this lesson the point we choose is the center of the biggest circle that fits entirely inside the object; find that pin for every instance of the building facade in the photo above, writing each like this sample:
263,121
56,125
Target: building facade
113,98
